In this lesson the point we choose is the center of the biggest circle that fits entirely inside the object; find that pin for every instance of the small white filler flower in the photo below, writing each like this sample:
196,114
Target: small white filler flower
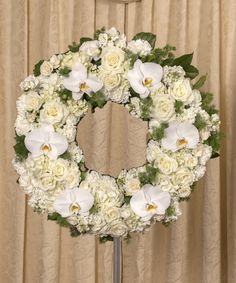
180,135
74,202
45,141
80,82
150,201
145,77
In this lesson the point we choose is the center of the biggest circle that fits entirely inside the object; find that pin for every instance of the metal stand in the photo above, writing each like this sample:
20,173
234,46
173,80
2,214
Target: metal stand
116,260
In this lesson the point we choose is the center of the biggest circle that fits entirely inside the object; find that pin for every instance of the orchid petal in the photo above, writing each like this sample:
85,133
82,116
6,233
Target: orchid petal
94,84
83,198
77,95
152,70
59,141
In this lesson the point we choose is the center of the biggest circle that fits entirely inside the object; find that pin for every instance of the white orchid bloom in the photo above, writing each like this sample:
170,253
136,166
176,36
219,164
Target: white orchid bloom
150,201
80,82
45,141
180,135
74,201
145,77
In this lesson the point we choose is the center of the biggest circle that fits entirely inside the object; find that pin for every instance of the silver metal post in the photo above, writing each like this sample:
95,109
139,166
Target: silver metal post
117,260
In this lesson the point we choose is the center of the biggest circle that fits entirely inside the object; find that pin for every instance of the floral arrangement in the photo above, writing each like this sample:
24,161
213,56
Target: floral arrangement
154,86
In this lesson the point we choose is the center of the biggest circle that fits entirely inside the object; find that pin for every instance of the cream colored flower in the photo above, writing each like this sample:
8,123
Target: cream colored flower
33,101
91,48
184,192
44,141
163,107
145,77
112,58
180,135
46,68
182,91
60,169
53,112
80,82
74,202
139,46
166,164
183,177
150,201
55,61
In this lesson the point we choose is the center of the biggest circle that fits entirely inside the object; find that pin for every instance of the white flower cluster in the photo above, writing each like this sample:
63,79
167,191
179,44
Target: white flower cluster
182,127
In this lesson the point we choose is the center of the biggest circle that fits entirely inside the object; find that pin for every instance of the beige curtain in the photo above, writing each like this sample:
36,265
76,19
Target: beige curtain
201,246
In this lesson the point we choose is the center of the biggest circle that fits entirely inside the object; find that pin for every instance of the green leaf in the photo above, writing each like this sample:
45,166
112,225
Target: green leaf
149,176
215,155
200,82
206,103
150,37
214,141
170,211
184,60
66,155
84,39
65,71
200,123
178,106
145,107
36,70
59,219
74,47
98,31
74,231
159,133
127,199
104,239
65,95
96,99
20,148
191,71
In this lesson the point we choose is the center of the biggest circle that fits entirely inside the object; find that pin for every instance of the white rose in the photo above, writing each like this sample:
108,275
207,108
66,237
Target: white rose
166,164
184,192
118,229
98,223
60,169
132,185
111,213
181,90
112,81
183,177
204,152
91,48
46,68
55,61
32,101
112,58
187,159
53,112
46,183
163,108
164,181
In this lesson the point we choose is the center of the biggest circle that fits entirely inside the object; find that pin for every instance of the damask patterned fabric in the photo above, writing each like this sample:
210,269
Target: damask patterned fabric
201,246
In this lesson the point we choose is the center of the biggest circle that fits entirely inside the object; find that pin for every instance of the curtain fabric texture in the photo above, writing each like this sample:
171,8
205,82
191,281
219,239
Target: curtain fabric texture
201,246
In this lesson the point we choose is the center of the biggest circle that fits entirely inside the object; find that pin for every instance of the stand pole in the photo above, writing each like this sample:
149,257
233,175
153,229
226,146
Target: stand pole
117,260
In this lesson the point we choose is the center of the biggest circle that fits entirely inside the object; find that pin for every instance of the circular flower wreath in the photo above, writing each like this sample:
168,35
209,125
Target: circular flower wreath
155,87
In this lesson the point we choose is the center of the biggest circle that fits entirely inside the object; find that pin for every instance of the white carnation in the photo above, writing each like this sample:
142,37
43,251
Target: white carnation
140,47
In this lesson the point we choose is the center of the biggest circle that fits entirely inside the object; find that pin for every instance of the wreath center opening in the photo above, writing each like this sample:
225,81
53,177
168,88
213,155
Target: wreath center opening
112,139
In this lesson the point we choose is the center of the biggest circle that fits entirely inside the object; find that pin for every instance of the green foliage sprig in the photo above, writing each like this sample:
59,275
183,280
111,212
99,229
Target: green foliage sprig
159,133
20,148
